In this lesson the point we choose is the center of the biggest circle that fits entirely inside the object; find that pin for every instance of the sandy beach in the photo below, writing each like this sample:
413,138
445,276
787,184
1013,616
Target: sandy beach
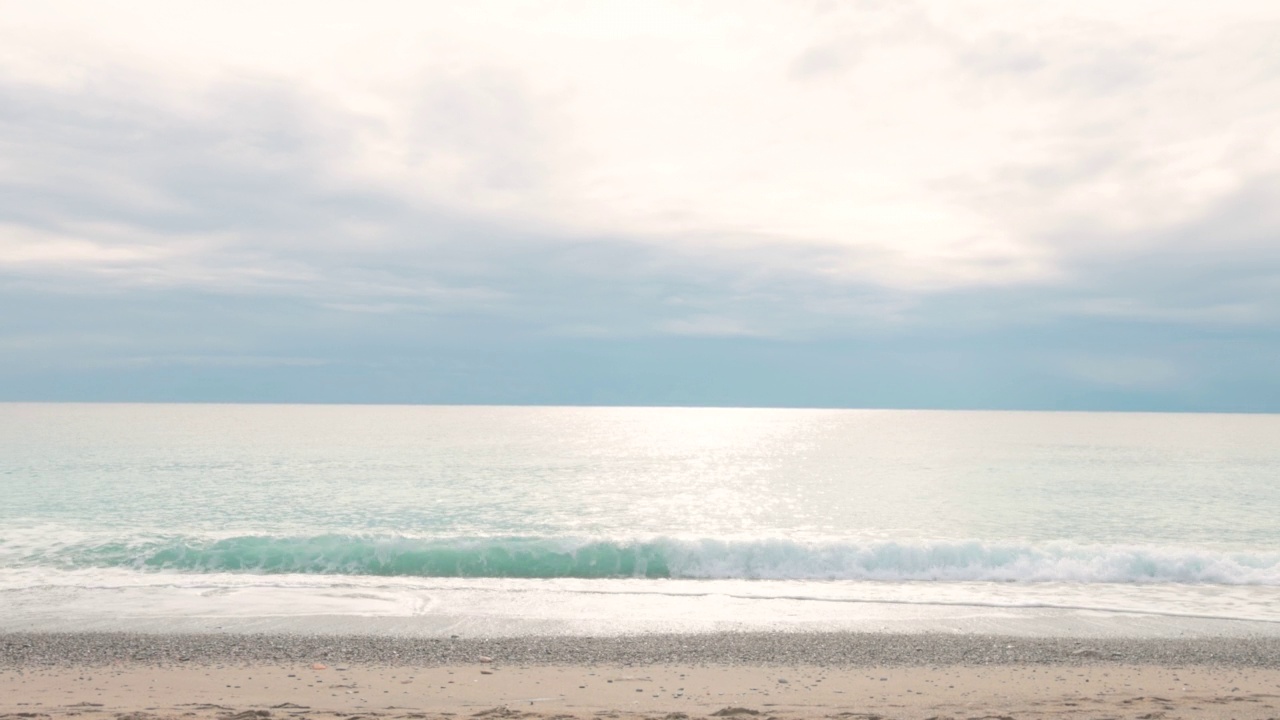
764,675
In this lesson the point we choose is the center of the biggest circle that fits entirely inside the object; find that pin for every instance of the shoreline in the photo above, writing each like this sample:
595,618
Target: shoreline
729,649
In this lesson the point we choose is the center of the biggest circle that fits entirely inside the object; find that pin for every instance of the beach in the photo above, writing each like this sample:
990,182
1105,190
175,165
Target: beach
768,360
238,562
108,675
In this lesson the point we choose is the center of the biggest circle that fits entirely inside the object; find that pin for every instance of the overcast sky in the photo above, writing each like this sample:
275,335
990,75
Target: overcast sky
986,203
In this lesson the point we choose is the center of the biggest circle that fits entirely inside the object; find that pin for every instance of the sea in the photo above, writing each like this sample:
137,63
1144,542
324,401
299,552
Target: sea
599,521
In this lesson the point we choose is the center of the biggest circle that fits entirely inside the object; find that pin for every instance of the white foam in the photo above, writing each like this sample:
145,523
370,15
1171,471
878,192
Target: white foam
943,560
115,598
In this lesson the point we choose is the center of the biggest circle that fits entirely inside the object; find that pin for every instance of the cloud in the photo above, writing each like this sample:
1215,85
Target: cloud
1140,373
708,326
911,194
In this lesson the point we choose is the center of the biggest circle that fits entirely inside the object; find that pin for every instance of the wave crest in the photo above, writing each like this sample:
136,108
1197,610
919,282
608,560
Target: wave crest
671,558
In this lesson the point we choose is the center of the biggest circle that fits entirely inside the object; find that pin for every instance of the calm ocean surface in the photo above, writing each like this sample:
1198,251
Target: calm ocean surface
505,520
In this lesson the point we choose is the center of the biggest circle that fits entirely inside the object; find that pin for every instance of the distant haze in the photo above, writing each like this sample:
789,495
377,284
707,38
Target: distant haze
977,204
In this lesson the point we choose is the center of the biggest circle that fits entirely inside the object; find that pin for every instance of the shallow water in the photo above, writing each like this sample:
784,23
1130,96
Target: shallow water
601,520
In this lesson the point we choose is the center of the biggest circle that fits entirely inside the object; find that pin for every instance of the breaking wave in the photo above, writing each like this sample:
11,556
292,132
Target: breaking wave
669,558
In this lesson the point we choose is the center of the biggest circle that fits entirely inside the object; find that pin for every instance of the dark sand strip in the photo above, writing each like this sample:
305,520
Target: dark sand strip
19,650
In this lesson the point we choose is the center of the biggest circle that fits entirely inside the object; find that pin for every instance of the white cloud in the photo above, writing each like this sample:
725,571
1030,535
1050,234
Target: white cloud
1128,372
22,246
228,361
709,326
920,146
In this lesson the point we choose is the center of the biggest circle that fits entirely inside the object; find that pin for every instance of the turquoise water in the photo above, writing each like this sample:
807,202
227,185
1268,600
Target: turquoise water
498,516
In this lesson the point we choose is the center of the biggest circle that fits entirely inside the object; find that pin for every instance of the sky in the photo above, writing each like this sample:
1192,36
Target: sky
961,204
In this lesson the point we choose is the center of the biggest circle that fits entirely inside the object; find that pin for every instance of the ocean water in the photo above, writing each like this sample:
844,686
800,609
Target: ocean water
522,520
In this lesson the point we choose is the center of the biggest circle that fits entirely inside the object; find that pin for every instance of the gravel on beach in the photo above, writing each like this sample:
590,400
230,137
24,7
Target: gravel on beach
32,650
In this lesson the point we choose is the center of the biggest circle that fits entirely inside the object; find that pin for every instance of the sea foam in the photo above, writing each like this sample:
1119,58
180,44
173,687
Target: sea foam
766,559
